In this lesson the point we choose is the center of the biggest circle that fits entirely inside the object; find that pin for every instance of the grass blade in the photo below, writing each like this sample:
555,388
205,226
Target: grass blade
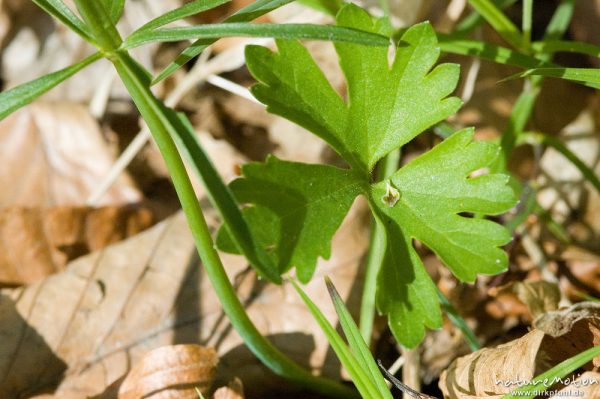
501,55
499,22
59,10
185,11
588,76
473,20
560,20
221,197
527,23
459,322
516,123
559,371
246,14
115,9
17,97
359,376
565,46
277,31
357,343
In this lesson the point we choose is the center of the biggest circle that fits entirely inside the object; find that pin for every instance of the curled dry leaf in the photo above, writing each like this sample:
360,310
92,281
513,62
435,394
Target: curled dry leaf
489,372
539,296
173,371
54,154
36,242
90,323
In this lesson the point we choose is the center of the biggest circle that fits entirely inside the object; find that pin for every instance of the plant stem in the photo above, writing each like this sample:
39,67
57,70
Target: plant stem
375,257
159,124
163,124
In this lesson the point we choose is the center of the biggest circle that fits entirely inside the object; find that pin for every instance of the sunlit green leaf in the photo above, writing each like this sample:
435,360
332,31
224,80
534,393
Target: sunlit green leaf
17,97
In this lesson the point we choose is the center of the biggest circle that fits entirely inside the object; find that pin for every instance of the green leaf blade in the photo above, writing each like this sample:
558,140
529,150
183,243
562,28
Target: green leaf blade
561,370
357,343
435,189
500,22
405,292
296,209
433,193
17,97
246,14
298,91
59,10
587,76
359,376
244,29
418,98
187,10
115,9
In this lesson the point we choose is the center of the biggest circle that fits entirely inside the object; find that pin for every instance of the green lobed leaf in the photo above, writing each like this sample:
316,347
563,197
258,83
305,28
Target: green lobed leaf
432,194
293,86
248,13
297,209
17,97
388,105
245,29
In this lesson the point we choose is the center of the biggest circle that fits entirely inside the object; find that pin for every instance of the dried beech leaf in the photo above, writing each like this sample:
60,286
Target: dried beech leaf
171,372
488,372
584,385
90,323
36,242
54,154
539,296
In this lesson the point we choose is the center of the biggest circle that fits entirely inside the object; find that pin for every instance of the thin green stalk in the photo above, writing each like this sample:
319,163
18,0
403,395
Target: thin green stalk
527,23
150,109
137,82
100,23
459,322
375,257
517,121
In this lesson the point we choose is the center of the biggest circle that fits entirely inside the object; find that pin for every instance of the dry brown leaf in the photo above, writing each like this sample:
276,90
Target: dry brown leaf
587,385
37,242
235,390
171,372
539,296
54,154
559,335
90,323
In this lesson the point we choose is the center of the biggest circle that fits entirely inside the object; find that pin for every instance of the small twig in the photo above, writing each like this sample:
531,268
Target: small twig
402,386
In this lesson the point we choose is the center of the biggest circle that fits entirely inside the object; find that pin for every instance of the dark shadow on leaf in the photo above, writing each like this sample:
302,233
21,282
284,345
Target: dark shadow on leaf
28,366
